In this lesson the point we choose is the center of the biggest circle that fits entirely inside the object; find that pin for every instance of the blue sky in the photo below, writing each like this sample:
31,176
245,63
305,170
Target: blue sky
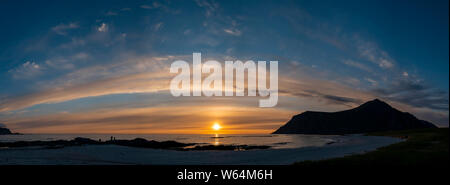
62,59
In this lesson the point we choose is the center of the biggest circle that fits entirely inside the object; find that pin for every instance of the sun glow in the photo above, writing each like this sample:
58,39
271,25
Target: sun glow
216,126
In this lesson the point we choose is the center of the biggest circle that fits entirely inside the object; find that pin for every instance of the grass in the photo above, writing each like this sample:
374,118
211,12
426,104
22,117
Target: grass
423,147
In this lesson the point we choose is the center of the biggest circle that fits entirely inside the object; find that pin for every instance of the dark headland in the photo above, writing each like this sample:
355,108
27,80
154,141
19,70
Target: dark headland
372,116
6,131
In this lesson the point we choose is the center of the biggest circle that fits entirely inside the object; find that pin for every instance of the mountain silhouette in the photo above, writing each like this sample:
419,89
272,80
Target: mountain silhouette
371,116
4,131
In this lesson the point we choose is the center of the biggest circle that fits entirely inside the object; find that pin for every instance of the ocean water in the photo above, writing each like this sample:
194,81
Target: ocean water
276,141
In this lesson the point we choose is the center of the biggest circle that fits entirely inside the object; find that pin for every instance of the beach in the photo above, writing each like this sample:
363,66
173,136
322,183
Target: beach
123,155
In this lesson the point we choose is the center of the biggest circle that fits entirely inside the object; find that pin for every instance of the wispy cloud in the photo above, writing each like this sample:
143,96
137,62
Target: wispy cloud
372,81
373,53
414,93
154,5
26,70
62,29
357,65
66,62
111,13
134,76
234,32
209,6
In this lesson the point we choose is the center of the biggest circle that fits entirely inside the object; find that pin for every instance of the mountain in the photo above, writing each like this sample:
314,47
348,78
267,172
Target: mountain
4,131
371,116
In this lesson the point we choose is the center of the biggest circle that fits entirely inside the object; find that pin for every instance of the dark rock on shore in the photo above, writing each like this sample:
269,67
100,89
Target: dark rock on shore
138,142
49,144
143,143
372,116
229,147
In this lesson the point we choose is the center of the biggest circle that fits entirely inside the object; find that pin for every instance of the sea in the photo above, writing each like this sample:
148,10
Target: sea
275,141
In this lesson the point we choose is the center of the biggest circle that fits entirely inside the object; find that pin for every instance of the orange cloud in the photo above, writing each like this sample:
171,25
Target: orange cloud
170,119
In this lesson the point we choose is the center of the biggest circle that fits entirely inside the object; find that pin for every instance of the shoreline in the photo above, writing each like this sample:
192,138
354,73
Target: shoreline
421,147
108,154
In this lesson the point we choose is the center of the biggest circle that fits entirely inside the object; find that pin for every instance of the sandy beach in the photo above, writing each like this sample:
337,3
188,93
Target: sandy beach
122,155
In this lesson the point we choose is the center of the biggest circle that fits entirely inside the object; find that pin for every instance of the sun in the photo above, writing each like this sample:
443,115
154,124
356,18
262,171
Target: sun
216,126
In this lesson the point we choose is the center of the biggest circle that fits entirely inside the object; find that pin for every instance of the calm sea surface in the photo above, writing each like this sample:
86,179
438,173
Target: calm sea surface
276,141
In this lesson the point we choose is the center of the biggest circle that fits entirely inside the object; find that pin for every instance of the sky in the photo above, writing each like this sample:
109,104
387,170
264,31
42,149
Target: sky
103,66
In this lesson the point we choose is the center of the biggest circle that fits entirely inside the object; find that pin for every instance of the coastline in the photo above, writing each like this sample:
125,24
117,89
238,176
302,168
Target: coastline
421,147
118,155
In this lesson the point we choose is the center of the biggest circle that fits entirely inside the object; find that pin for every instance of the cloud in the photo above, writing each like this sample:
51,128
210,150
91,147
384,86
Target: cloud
164,6
205,40
66,62
405,74
407,94
373,53
138,83
328,98
111,13
372,81
26,70
80,56
305,84
303,23
234,32
139,76
59,64
132,76
165,119
341,99
103,27
75,42
414,93
62,29
357,65
152,6
209,6
146,7
150,75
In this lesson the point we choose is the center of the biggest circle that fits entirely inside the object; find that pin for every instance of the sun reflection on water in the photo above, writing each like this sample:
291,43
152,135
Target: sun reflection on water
216,139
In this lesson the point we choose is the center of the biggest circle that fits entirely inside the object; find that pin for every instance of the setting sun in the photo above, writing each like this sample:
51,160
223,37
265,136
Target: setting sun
216,126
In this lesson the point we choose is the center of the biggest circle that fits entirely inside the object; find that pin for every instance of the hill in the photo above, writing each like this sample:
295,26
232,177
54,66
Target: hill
372,116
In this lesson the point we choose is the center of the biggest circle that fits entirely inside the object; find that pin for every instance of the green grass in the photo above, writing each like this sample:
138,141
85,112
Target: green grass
423,147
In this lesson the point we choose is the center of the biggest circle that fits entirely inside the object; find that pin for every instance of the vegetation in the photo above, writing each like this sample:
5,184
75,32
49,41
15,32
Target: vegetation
422,147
